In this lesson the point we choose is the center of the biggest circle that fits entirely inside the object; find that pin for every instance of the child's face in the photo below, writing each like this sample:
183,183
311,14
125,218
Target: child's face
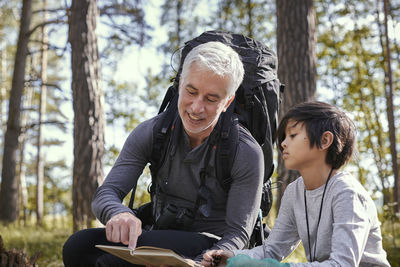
296,151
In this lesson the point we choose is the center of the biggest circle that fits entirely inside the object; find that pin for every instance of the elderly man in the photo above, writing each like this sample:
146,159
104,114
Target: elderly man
211,74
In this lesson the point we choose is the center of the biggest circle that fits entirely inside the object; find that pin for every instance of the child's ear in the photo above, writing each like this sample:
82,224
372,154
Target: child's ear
326,139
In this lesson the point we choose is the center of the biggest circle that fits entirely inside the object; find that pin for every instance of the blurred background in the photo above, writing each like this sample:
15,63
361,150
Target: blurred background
77,76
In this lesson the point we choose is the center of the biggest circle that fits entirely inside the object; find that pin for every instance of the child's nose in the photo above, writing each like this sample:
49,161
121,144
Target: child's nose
283,144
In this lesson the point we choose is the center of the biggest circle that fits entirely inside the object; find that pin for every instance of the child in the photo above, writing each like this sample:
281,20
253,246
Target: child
325,208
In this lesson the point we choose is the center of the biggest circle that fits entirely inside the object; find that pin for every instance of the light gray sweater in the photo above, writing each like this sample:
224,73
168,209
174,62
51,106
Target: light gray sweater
348,233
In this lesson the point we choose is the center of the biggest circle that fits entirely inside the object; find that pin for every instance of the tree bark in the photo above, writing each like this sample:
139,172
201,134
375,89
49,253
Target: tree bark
9,199
41,111
23,191
297,63
88,110
389,104
3,89
178,22
250,17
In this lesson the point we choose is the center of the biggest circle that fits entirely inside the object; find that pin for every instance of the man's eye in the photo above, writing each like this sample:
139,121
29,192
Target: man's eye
212,100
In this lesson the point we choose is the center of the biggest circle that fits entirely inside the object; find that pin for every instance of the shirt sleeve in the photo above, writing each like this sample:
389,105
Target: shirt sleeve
283,238
135,154
244,196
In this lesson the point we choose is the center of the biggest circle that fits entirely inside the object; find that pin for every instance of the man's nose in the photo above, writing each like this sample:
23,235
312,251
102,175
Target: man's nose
197,105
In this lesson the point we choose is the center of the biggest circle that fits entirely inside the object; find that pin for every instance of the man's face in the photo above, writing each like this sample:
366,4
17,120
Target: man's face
202,98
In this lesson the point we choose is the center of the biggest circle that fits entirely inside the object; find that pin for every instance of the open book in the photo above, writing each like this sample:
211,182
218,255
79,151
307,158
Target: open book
149,255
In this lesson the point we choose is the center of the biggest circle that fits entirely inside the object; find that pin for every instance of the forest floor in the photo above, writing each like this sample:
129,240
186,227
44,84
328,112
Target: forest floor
50,238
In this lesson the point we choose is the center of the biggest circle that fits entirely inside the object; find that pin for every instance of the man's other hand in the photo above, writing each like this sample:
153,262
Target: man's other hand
125,228
216,258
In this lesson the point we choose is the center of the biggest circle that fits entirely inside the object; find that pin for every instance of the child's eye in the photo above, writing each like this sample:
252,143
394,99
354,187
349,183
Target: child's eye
292,135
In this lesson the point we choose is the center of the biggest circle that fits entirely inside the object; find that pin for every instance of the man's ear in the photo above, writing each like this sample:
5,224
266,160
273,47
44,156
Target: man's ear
228,103
326,140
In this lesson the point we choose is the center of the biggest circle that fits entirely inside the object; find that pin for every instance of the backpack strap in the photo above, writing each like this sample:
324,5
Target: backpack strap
226,147
204,201
161,135
169,95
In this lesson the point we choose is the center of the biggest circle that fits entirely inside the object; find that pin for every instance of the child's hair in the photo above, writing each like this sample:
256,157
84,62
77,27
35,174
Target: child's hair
317,118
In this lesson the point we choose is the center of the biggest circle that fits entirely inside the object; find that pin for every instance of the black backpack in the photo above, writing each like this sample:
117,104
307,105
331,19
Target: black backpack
255,107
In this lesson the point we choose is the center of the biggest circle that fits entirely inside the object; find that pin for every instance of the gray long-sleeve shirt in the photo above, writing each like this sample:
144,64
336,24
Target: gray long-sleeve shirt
232,217
348,233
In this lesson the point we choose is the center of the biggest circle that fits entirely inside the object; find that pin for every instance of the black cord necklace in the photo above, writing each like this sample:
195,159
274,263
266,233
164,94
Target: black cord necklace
319,218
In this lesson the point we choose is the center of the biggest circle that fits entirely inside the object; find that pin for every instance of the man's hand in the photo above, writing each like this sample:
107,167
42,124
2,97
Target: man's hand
216,258
125,228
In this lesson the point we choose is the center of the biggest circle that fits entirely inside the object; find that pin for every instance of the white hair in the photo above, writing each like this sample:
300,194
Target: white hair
218,58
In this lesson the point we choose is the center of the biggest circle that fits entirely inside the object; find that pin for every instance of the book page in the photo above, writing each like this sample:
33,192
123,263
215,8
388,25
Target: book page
148,255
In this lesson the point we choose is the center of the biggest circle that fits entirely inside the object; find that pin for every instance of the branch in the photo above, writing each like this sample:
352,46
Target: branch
125,32
56,86
54,21
32,125
51,10
49,45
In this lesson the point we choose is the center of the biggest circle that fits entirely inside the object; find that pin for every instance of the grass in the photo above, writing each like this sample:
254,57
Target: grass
48,240
391,241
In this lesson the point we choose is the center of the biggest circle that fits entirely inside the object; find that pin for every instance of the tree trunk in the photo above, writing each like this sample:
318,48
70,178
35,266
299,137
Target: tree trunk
41,111
9,200
3,89
178,22
23,191
297,63
16,258
88,110
389,104
376,149
250,16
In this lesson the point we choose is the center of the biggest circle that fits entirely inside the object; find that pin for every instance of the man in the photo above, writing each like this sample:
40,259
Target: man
211,74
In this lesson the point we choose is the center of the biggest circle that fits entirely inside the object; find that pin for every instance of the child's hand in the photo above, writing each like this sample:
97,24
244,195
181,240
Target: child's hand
216,258
245,261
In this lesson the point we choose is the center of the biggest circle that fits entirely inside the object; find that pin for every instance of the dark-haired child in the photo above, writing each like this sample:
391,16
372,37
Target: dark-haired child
326,208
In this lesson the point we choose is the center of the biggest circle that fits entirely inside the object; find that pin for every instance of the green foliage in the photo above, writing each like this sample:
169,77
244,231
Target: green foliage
255,18
351,75
111,155
391,233
123,24
48,239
